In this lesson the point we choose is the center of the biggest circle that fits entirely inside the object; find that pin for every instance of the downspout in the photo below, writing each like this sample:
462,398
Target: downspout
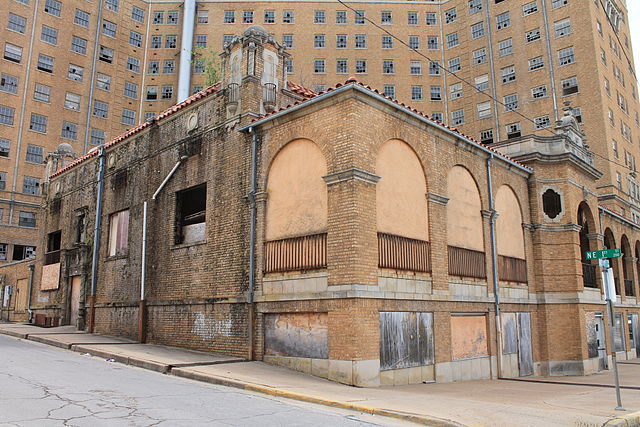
30,287
494,266
552,73
186,46
96,241
252,237
142,307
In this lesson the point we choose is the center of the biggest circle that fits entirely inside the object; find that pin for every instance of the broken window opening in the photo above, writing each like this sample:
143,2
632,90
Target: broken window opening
191,207
54,241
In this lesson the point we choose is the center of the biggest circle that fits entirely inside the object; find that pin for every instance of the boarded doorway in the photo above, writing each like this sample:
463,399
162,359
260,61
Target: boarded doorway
74,300
634,330
602,348
21,295
516,344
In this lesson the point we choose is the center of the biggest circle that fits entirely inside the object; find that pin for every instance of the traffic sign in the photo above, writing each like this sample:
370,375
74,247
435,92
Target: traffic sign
608,253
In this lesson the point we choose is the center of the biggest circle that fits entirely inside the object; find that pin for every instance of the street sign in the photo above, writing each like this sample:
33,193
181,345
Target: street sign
608,253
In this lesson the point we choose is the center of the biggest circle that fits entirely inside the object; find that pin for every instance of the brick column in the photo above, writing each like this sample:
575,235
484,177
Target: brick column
438,239
596,243
631,266
486,225
352,240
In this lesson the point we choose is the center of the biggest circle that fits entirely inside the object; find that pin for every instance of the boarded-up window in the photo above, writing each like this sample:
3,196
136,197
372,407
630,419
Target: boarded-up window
468,336
119,233
50,277
296,335
406,340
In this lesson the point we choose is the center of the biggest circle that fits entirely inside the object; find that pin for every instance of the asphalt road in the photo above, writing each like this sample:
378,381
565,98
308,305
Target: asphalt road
46,386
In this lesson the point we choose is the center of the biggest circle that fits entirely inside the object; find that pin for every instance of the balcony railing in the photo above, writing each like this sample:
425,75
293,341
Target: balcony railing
233,93
467,263
512,269
589,275
403,253
269,93
300,253
52,257
628,288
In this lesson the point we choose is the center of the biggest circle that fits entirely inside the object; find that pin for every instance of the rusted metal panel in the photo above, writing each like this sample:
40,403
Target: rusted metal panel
512,269
296,335
468,336
406,340
403,253
467,263
509,333
525,354
300,253
50,277
194,233
592,335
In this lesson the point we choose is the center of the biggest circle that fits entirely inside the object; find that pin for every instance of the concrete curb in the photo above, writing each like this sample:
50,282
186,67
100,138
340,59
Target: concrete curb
629,420
44,339
271,391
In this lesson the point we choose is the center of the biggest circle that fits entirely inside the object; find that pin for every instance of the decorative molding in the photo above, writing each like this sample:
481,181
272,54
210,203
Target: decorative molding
349,174
437,199
557,227
261,196
528,227
596,236
486,213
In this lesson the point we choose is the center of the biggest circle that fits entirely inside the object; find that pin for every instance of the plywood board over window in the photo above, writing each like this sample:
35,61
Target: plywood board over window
468,336
296,335
50,277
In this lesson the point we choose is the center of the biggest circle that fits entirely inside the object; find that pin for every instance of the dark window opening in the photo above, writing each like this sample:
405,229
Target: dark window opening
551,203
21,252
80,227
54,241
191,207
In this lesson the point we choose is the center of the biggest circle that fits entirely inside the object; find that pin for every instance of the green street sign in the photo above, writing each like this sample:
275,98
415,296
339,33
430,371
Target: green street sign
609,253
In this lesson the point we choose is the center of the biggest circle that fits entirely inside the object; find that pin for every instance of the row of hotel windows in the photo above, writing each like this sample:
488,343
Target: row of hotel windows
54,7
20,252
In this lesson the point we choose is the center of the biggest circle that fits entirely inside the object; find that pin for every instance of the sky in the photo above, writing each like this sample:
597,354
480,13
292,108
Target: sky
634,24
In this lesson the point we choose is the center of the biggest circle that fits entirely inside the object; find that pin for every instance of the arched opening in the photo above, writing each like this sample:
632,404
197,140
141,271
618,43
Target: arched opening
512,265
465,233
401,209
610,243
296,215
587,226
627,266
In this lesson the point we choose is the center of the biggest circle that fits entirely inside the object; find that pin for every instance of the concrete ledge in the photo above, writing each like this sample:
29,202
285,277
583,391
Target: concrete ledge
629,420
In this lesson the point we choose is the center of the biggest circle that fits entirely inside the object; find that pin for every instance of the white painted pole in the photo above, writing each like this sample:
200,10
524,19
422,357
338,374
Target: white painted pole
144,250
610,294
186,46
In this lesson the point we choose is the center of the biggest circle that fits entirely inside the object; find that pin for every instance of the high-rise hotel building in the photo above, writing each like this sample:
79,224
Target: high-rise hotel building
82,71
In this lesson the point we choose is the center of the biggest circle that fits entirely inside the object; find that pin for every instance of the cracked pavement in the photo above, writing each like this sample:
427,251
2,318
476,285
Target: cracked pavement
46,386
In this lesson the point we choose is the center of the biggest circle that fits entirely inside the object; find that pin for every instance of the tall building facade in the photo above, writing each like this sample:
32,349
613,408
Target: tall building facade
81,72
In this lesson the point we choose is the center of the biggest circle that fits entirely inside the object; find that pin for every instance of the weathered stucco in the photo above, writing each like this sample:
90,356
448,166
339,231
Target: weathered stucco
464,219
510,237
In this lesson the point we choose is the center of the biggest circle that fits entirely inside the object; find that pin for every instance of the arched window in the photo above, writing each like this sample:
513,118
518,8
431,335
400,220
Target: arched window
510,237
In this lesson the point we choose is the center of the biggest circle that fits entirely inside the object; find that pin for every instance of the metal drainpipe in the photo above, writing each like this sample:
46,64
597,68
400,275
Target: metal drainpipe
494,266
252,236
552,73
30,287
96,241
186,46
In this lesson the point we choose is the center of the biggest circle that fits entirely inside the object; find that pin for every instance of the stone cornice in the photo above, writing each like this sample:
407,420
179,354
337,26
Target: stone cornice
556,227
437,199
351,174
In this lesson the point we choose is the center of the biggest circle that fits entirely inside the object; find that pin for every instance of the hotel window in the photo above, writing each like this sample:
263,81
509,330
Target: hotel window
35,154
390,91
318,40
319,17
75,73
455,91
341,66
569,86
484,110
612,120
12,53
8,83
457,117
434,68
229,16
505,47
341,16
133,64
416,93
26,219
477,30
450,15
361,41
247,17
319,66
415,67
435,93
482,82
539,92
532,35
173,18
72,101
287,40
454,65
158,18
486,136
269,16
79,45
167,92
108,28
106,54
38,123
542,122
128,117
119,233
614,147
69,130
149,115
42,93
414,42
5,146
3,185
103,82
137,14
227,39
530,8
111,5
388,66
6,115
566,56
135,39
97,137
341,41
503,20
559,3
387,42
100,109
170,42
437,116
513,130
432,42
152,93
198,66
130,90
412,18
169,66
288,65
201,41
480,56
359,17
603,57
49,35
510,102
536,63
81,18
508,74
52,7
361,66
386,18
452,40
562,28
17,23
475,6
431,18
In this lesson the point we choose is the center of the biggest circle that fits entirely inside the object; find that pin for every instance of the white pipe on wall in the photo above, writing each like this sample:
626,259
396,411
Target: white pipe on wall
186,46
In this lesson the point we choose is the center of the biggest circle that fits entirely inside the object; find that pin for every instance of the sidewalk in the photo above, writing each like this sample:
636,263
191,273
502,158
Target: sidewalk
582,401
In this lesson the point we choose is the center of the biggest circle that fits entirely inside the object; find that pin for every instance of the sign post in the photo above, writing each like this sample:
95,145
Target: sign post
610,295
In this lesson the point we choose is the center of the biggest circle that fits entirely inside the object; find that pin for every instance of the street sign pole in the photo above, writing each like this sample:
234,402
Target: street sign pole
609,291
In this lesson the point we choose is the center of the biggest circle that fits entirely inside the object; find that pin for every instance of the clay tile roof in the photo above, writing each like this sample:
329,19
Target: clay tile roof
300,90
168,112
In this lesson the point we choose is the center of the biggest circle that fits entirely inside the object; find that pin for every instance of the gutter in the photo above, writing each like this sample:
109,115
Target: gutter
96,240
252,237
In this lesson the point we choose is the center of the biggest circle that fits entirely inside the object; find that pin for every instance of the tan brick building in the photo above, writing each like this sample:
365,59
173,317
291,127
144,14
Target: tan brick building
342,234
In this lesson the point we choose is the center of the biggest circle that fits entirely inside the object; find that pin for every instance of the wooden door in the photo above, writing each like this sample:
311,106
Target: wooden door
76,281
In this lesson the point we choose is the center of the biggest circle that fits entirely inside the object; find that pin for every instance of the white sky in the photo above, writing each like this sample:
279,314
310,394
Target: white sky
634,24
